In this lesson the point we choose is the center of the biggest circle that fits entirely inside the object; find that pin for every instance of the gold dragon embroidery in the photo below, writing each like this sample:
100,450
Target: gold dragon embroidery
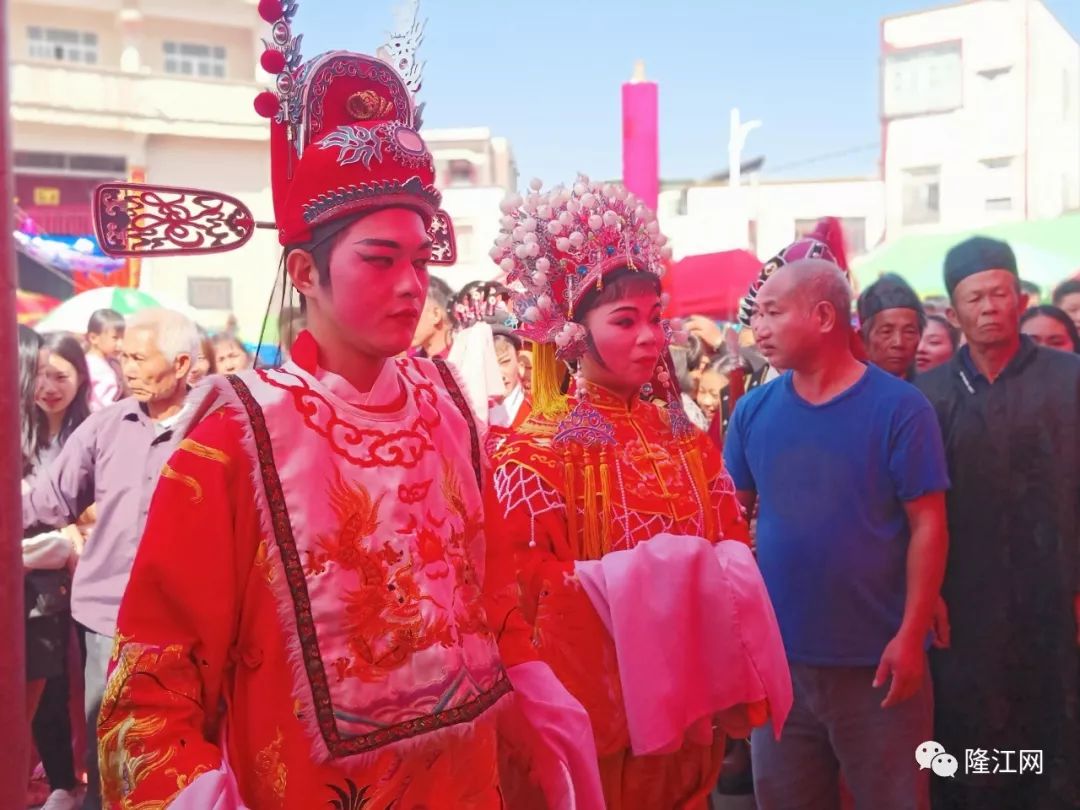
271,771
127,750
383,621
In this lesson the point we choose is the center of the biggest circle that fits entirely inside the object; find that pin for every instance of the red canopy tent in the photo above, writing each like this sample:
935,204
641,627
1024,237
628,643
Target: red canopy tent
711,284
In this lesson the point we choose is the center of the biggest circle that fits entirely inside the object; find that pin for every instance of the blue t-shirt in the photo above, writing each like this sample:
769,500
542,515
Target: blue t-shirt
832,534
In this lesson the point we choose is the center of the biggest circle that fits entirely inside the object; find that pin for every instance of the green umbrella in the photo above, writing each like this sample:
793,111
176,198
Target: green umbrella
1047,252
73,314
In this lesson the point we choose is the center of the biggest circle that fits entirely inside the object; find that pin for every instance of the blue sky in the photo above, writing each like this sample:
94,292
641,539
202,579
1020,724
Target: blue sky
547,74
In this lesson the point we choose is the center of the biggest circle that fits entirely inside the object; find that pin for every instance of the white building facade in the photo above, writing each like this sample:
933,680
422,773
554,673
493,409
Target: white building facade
763,217
980,124
980,111
474,170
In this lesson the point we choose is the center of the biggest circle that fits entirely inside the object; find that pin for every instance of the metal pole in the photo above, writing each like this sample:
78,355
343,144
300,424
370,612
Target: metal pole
13,721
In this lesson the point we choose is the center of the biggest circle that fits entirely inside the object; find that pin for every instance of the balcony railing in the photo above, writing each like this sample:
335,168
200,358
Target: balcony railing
76,95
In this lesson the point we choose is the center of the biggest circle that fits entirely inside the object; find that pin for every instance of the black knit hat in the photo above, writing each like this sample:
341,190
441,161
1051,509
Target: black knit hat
977,255
888,292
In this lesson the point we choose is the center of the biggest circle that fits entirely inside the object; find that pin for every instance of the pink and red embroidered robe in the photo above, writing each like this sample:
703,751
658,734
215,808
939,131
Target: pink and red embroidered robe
305,607
540,609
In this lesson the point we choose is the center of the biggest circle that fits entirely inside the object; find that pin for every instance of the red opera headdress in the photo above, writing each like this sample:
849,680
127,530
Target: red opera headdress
826,242
343,136
557,245
344,140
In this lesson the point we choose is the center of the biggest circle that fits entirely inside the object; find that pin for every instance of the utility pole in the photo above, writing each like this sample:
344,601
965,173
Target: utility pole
736,143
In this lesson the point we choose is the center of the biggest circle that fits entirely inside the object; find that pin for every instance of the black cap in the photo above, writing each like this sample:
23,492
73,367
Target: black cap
977,255
888,292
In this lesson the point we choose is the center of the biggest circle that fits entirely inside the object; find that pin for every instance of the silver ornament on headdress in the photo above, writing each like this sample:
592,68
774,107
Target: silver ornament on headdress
403,44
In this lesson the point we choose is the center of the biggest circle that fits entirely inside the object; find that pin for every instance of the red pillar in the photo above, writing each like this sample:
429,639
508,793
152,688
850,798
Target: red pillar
13,763
641,137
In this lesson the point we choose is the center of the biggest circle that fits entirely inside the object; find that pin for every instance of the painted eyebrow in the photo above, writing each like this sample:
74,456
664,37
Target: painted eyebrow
385,243
631,308
391,244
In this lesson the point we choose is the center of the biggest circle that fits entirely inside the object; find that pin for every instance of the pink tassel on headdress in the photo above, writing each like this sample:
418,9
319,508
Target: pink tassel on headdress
831,232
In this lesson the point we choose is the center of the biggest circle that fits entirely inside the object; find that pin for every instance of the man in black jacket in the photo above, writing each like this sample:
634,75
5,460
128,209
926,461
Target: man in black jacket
1009,685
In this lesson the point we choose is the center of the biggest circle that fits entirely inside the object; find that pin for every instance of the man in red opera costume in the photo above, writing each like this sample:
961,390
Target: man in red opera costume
304,624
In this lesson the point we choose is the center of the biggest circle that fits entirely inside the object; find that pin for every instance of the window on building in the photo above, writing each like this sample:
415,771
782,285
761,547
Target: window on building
922,195
999,178
62,45
918,81
465,242
461,173
193,59
854,235
208,292
39,160
99,165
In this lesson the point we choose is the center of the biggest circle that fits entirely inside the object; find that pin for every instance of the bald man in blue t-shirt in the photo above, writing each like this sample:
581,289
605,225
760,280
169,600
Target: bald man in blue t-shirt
846,465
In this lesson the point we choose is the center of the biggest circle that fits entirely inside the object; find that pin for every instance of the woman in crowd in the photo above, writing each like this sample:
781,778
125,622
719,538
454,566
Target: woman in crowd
1051,327
939,342
599,469
685,362
204,364
230,356
55,390
714,381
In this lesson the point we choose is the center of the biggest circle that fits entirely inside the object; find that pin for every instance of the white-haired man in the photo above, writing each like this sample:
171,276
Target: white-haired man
113,460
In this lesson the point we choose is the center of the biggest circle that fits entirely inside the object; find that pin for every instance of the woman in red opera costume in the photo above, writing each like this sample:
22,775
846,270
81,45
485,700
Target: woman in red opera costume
304,624
599,472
